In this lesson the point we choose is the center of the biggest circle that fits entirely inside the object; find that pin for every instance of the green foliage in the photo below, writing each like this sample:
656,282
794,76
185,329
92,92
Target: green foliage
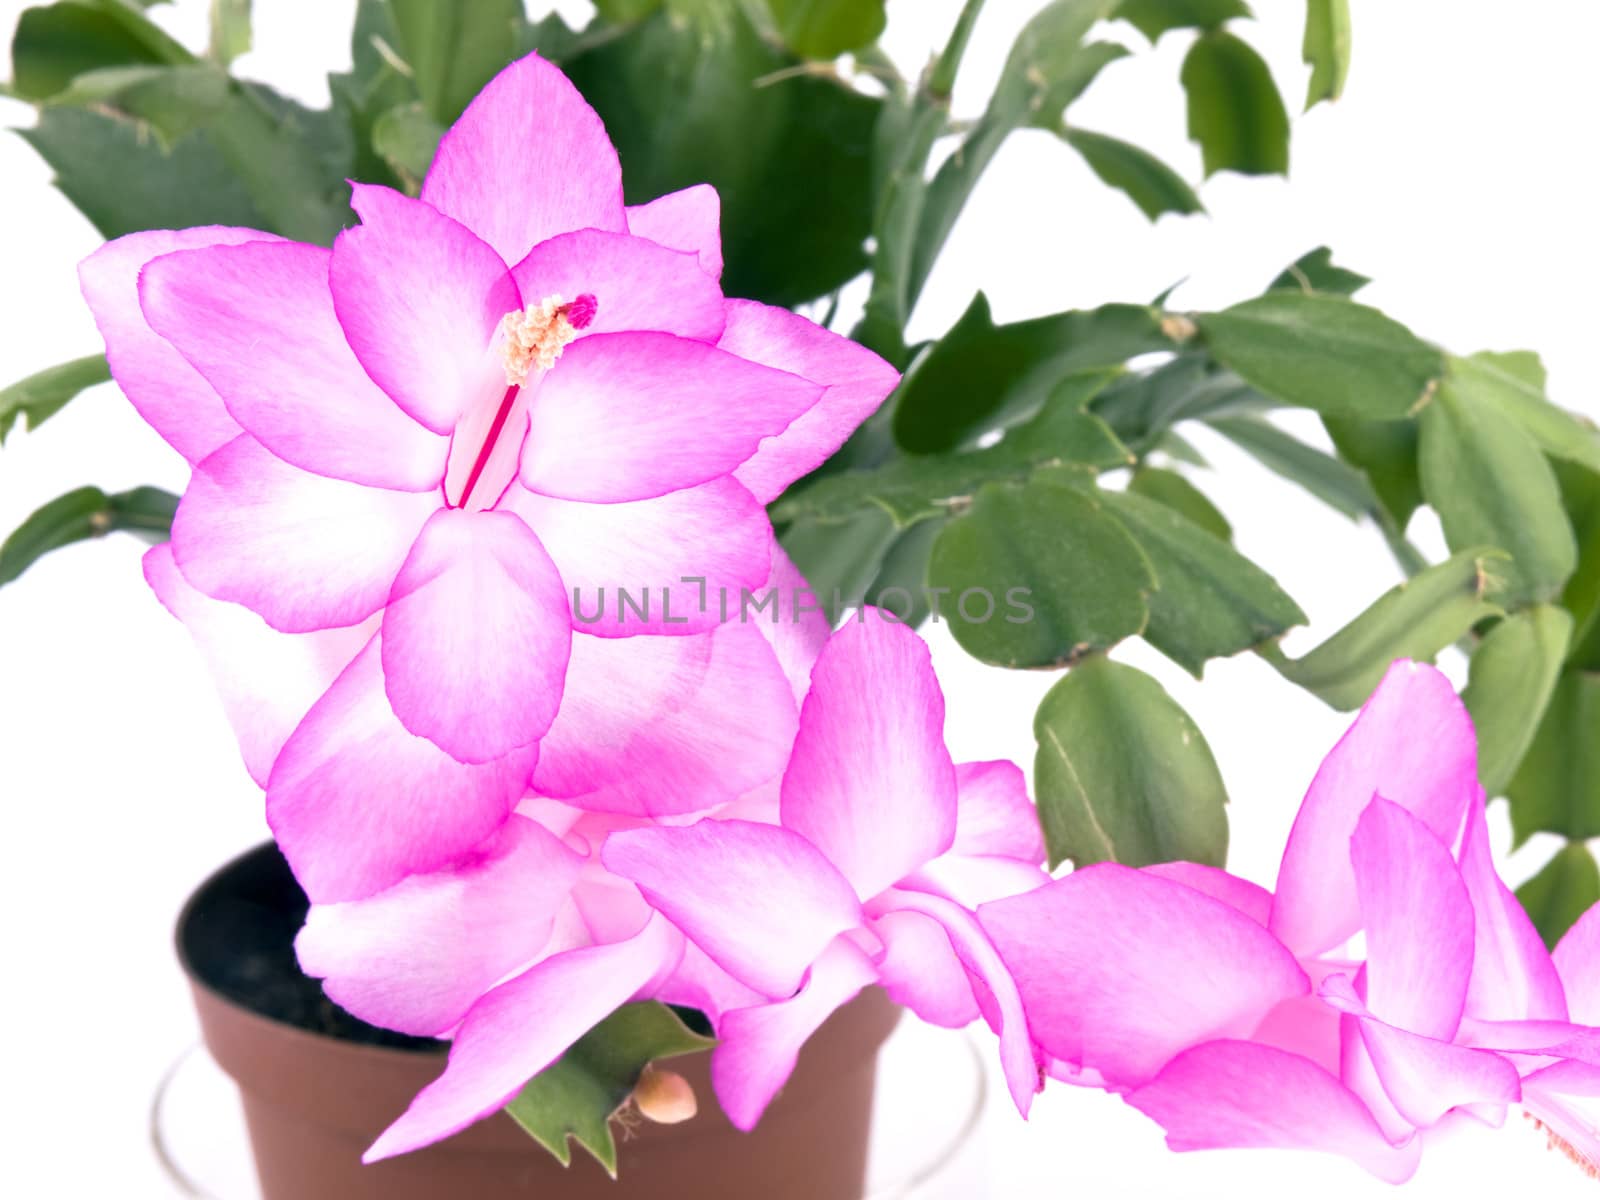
912,488
1235,112
1514,672
1122,773
1326,352
1561,893
84,513
1556,788
828,28
981,375
1040,573
575,1098
1416,619
1156,17
1210,601
1491,484
1336,484
230,30
1315,271
454,49
1155,187
707,99
1177,493
1326,48
43,394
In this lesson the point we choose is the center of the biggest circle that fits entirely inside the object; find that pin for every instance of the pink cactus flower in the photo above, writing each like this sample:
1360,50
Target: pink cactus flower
862,866
1236,1017
418,449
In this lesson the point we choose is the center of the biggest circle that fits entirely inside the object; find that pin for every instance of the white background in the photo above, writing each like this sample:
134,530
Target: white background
1453,172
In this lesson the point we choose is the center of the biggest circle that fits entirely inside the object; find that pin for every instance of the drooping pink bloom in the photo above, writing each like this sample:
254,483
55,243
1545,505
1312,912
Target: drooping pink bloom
1236,1017
479,406
862,867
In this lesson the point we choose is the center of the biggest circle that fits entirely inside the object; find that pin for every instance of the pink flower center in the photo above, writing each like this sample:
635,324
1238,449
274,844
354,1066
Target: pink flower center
488,437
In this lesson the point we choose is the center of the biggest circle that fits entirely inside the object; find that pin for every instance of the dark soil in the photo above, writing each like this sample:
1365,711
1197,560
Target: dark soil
237,937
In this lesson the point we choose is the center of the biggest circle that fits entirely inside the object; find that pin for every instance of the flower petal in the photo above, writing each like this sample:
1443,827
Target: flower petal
856,380
682,560
257,322
1120,970
1413,744
659,725
1226,1094
416,957
700,984
267,680
1577,959
304,551
628,416
994,815
529,159
1426,1077
761,901
357,803
690,219
999,997
1418,922
167,392
523,1026
1251,899
636,283
757,1048
1513,977
870,780
420,298
790,619
920,970
475,636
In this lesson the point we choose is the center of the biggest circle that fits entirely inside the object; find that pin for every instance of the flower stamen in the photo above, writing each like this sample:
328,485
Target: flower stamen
536,336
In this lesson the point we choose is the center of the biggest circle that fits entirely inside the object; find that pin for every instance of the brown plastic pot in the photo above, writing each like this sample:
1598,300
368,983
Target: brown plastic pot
313,1102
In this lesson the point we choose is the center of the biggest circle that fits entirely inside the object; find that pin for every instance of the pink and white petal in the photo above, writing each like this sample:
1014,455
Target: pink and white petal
1577,959
791,620
998,997
1418,921
1513,977
1413,744
760,900
420,298
920,970
357,803
267,680
870,780
994,815
654,726
1120,970
757,1048
1571,1077
690,220
523,1026
529,159
683,559
158,381
1253,900
257,322
974,879
304,551
476,636
628,416
700,984
637,284
1225,1094
856,379
415,958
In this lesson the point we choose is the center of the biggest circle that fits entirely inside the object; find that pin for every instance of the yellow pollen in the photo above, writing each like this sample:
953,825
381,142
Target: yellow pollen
534,337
